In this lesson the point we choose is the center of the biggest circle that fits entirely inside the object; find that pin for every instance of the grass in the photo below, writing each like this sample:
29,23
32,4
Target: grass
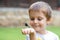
9,34
15,33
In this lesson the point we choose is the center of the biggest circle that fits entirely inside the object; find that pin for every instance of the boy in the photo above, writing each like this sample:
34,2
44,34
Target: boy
40,17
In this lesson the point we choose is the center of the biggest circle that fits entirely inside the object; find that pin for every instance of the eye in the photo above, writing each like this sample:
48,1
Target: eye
39,19
31,18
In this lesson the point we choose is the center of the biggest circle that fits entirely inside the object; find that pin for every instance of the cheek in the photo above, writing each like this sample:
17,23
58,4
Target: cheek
31,23
42,23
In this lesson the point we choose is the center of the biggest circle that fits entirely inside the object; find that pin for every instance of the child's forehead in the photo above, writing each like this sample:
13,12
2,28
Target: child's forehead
36,14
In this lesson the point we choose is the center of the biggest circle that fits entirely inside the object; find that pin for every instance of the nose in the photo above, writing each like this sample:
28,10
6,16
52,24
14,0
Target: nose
35,21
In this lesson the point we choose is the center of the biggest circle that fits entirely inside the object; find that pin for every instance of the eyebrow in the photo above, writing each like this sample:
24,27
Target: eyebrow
37,17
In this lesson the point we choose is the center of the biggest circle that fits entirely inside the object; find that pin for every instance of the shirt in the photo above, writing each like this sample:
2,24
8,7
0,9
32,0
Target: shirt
48,36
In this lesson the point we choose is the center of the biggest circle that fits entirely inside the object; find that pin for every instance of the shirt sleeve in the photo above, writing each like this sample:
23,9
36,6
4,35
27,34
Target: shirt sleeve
27,37
57,38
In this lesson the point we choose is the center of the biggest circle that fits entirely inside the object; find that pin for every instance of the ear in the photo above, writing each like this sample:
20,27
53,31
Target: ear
49,21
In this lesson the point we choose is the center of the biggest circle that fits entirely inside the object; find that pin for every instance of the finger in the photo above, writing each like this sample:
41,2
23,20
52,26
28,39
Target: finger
28,32
32,30
22,31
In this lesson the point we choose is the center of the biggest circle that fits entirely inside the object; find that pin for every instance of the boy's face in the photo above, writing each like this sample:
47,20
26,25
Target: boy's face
38,20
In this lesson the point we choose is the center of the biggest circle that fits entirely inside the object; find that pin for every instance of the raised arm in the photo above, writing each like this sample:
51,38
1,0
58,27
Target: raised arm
31,33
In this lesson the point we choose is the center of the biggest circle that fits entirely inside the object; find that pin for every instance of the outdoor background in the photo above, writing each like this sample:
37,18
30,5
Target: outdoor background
14,15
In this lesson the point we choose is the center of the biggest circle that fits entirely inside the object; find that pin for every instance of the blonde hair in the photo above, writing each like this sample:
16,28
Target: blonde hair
41,5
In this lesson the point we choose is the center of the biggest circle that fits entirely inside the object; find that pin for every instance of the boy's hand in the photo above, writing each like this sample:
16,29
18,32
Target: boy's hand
28,31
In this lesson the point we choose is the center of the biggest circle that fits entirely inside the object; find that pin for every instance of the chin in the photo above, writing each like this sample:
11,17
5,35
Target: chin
38,29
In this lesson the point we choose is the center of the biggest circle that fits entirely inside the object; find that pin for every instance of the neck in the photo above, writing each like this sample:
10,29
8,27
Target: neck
42,32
